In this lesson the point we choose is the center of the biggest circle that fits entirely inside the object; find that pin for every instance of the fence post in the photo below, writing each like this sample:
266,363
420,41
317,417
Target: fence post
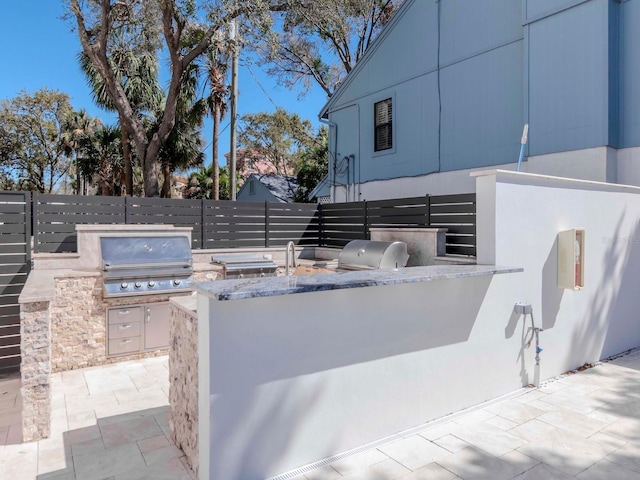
28,225
428,211
202,225
367,234
127,219
34,222
266,224
320,225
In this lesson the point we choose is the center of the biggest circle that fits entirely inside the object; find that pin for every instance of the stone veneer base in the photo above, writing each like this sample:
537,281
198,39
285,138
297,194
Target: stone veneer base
183,374
68,332
35,371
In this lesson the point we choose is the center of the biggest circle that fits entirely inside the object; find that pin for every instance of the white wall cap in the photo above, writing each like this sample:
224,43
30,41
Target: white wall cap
523,178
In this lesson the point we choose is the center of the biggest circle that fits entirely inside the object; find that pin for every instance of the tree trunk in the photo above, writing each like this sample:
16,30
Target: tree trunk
148,153
104,174
126,157
215,170
166,184
78,176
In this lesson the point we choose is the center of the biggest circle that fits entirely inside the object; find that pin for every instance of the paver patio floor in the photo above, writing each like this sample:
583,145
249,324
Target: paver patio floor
110,422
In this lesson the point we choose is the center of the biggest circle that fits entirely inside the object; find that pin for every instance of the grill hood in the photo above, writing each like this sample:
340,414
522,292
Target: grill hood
135,266
369,254
137,252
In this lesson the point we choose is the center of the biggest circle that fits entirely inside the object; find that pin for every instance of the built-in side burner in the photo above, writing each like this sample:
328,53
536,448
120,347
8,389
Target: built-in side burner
238,265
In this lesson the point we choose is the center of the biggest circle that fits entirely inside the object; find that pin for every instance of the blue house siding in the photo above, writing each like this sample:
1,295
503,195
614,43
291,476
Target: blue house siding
466,75
614,74
397,56
482,109
479,101
260,193
536,9
472,27
629,38
568,79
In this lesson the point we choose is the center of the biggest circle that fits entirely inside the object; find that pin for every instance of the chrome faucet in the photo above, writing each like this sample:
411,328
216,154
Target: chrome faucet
290,262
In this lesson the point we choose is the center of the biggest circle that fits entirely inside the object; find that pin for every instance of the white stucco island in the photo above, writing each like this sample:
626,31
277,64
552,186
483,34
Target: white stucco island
293,370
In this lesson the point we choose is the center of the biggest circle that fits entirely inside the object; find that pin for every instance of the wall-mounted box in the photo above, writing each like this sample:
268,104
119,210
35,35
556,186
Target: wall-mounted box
571,259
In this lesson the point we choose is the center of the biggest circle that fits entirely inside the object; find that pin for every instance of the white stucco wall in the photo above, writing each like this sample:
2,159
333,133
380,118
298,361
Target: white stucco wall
600,164
521,228
597,164
298,378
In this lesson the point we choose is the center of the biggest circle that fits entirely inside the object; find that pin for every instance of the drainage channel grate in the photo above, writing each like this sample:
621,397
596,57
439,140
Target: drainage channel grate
398,436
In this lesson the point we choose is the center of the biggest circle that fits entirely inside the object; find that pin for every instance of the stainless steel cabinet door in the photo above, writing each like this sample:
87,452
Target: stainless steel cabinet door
156,326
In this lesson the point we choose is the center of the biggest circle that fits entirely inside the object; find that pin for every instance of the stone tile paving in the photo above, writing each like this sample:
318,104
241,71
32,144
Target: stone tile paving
10,408
583,425
110,422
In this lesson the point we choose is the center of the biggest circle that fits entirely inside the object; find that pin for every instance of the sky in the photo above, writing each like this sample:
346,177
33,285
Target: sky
39,50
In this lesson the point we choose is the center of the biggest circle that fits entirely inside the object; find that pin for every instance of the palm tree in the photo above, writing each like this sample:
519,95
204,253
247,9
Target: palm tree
138,73
75,126
102,159
217,62
183,148
200,184
211,67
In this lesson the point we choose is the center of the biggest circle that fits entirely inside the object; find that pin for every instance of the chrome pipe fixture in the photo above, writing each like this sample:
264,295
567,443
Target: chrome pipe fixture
290,262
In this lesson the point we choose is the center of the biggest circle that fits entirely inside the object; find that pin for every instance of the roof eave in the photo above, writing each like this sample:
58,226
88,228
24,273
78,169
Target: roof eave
324,112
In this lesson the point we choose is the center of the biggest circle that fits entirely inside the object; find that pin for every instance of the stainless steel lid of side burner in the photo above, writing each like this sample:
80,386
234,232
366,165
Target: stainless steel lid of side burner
239,265
372,255
146,265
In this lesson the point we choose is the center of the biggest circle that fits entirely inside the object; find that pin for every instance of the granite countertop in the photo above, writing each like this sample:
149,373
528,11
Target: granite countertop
274,286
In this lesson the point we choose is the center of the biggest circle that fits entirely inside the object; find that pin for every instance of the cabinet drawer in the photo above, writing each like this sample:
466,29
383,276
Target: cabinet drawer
124,345
125,315
123,330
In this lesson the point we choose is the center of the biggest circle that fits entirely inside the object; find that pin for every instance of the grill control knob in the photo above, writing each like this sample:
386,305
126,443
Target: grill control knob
137,285
124,286
151,284
177,282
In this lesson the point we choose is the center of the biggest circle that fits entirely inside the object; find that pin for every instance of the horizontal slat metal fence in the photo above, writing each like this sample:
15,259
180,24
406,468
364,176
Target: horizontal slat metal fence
56,216
342,222
398,212
166,211
224,224
15,264
215,224
234,224
295,222
456,213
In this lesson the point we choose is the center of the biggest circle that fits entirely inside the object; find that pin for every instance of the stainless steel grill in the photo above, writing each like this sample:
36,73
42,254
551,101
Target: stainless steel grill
371,255
146,265
245,266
